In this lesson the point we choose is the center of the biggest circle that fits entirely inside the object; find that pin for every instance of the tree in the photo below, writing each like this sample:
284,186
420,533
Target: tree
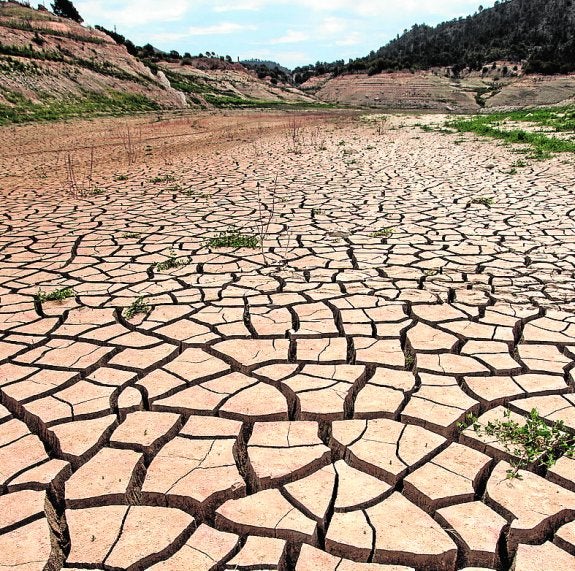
66,9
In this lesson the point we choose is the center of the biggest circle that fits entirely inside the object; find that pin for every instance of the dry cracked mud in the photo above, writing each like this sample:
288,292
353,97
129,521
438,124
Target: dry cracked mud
293,406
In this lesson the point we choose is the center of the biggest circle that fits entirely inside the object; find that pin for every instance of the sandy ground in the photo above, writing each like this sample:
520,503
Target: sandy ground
294,406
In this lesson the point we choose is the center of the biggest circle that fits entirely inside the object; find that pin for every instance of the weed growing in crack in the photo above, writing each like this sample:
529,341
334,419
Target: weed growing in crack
131,235
266,212
233,238
383,233
57,295
160,179
121,177
486,201
138,306
535,442
172,262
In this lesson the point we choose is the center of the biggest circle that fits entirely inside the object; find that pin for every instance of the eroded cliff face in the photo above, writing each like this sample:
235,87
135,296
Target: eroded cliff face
436,91
44,58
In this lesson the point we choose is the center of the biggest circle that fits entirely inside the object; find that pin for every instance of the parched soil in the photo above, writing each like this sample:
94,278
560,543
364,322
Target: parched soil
294,406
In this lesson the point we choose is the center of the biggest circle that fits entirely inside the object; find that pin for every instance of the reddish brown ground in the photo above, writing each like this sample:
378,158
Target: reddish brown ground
293,406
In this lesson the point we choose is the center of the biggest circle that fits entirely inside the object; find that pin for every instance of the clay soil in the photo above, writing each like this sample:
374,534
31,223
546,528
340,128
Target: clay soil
293,405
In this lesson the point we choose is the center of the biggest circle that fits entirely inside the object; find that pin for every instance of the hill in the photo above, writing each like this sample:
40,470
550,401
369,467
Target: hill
53,67
518,53
535,33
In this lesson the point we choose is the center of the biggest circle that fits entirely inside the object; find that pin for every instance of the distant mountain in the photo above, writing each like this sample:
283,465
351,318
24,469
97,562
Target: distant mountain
538,33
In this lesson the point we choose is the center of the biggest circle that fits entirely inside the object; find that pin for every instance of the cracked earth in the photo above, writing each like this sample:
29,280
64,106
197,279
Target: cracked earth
296,406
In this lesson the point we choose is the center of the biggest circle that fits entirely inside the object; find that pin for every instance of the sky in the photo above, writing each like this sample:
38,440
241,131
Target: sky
291,32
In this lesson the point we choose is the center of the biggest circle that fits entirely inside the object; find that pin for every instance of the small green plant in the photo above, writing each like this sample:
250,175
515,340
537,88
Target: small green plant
172,262
431,272
137,306
383,233
160,179
98,191
519,164
409,361
233,238
121,177
470,420
535,442
542,144
486,201
57,295
131,235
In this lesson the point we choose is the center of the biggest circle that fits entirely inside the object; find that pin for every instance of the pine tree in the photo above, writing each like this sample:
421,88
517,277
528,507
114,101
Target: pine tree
66,9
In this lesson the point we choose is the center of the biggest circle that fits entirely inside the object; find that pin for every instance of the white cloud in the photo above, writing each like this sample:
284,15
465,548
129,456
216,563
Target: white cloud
220,29
351,39
332,26
291,37
365,8
246,5
132,13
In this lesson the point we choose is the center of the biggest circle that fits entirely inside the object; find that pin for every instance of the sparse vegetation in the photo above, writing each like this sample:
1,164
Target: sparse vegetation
486,201
131,235
536,442
161,179
543,144
138,306
56,295
172,262
233,238
383,233
22,110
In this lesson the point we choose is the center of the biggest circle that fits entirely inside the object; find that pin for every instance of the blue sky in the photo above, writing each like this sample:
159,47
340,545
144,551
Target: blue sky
292,32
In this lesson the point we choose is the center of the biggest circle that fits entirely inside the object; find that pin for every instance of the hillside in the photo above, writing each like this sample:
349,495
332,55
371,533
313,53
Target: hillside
211,81
518,53
535,33
53,61
51,67
436,90
538,33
